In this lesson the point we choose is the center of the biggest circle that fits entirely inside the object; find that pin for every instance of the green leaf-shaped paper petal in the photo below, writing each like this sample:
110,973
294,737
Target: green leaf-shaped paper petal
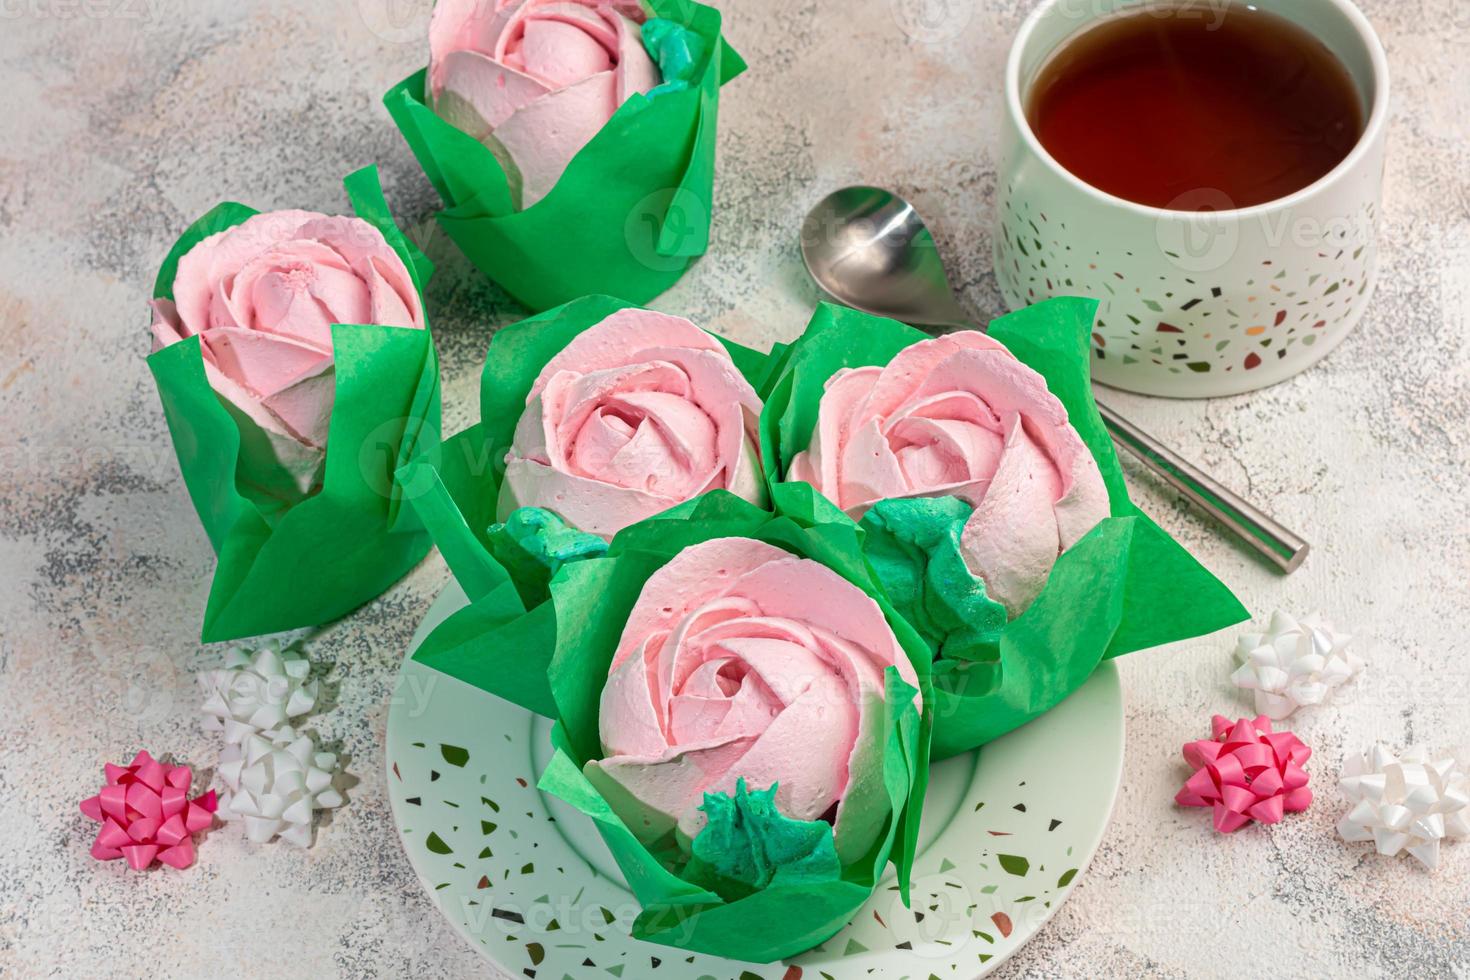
652,883
338,548
495,644
430,487
1168,594
1047,652
366,194
1053,339
773,924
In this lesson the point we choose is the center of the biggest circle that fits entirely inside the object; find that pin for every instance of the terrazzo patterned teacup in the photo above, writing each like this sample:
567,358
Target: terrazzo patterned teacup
1195,303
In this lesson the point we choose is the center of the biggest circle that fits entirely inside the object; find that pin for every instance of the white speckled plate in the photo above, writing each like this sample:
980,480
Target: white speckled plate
529,883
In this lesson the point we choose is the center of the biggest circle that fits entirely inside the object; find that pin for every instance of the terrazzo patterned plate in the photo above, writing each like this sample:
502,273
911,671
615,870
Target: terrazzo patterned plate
529,883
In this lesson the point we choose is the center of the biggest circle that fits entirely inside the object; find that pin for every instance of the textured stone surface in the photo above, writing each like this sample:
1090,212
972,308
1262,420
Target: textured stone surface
124,119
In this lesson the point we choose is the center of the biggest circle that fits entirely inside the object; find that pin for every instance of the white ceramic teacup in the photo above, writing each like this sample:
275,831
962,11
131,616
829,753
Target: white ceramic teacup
1195,303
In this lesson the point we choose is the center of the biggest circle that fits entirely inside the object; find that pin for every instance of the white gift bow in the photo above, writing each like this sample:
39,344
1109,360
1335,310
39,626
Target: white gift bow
256,692
276,781
1407,803
1293,663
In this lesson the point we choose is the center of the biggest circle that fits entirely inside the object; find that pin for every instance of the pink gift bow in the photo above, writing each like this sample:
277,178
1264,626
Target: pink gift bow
1246,772
145,814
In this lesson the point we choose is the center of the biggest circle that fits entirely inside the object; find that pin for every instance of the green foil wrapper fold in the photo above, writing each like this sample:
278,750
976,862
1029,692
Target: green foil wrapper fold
503,640
287,560
1125,586
632,210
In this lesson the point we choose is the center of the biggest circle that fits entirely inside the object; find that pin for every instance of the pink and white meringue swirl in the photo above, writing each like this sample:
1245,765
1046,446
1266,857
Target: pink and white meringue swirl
535,80
959,415
637,414
262,297
743,661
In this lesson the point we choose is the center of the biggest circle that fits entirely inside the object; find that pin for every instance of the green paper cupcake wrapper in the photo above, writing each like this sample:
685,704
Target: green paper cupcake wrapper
797,911
286,564
1125,586
632,210
503,640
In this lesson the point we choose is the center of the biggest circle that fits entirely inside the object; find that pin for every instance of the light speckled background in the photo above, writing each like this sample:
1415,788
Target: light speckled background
124,119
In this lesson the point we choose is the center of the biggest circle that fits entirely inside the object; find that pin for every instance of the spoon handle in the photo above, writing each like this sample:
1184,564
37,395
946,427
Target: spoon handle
1275,543
1281,547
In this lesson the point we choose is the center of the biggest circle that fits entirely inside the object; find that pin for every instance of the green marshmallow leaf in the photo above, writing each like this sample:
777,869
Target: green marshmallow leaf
914,547
533,544
678,51
748,845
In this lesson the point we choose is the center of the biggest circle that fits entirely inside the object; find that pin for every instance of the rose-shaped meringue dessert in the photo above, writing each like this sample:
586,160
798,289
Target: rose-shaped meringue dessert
959,415
262,297
534,80
275,334
637,414
741,661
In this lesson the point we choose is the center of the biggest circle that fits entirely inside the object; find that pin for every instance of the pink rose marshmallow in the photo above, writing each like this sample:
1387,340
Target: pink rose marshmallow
743,661
959,415
534,80
262,297
637,414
